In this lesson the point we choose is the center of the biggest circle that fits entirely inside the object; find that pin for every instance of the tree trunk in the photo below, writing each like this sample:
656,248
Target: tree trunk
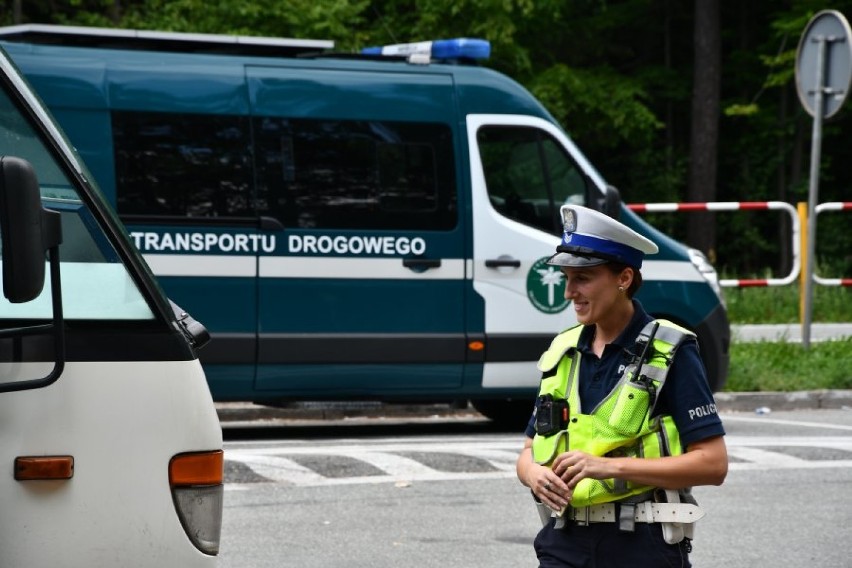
704,135
667,63
115,12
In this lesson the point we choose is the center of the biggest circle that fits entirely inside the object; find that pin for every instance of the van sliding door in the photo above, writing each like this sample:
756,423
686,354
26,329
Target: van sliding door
363,294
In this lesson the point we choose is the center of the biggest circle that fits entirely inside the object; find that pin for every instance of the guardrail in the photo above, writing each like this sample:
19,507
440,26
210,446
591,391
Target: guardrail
795,225
833,206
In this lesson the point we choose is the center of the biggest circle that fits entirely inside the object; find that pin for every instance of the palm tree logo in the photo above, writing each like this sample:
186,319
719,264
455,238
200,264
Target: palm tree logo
546,287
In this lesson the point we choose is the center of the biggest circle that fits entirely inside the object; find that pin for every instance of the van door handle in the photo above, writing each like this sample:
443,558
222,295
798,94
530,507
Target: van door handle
501,262
421,264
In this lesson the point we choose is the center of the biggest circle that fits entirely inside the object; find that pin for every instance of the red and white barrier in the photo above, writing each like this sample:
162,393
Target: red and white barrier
740,206
833,206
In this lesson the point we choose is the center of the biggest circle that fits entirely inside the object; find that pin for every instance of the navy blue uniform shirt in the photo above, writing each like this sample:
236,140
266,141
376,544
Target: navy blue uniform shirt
686,396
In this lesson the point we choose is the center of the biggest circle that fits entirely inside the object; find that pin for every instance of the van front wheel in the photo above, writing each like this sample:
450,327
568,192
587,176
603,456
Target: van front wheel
505,412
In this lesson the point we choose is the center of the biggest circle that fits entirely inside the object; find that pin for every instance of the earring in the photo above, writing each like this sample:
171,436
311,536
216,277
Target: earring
621,289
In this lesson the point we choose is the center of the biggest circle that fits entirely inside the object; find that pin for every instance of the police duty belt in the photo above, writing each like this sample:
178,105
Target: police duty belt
645,512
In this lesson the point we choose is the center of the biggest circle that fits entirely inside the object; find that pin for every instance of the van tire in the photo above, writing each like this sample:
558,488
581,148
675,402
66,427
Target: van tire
505,412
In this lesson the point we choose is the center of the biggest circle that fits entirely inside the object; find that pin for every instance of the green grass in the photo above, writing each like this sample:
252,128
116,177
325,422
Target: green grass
770,366
780,304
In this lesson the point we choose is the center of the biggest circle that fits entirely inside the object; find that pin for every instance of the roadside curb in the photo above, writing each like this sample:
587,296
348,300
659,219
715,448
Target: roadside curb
231,413
797,400
789,332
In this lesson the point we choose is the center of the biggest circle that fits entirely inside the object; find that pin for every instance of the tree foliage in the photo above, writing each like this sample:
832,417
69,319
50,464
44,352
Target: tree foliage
617,74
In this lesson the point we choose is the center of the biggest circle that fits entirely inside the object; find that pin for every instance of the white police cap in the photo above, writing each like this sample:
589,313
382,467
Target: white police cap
591,238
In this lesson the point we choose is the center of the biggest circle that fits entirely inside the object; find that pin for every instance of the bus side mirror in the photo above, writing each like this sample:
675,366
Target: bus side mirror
27,230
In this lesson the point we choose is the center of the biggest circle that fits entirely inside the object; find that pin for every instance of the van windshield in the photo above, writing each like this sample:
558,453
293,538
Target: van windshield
95,284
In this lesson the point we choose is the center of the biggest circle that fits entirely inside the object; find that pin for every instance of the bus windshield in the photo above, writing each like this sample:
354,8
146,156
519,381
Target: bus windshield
95,283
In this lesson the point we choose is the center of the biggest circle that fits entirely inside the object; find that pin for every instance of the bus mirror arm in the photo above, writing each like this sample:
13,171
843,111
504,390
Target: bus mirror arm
192,329
28,231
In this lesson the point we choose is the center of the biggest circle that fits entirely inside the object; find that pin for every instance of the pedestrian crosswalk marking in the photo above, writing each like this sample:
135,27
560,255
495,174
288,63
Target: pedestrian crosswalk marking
393,462
763,458
273,464
276,468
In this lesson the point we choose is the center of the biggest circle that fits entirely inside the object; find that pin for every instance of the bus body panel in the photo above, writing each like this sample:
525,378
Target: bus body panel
99,376
122,422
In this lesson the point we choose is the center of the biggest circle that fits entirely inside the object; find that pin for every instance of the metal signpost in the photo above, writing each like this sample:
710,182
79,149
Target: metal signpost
823,73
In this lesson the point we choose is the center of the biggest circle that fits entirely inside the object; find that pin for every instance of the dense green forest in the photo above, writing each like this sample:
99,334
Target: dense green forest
673,100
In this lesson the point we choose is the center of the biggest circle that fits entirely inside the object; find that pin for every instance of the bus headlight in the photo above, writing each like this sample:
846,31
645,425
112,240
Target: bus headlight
197,486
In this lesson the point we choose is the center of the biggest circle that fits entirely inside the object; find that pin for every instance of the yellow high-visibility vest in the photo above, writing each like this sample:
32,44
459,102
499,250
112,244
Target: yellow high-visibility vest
621,425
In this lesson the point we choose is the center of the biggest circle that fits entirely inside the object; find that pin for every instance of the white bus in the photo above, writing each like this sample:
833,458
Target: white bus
110,446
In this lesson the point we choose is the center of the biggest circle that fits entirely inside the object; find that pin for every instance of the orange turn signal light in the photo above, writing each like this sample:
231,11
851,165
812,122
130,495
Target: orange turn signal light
476,345
40,468
198,468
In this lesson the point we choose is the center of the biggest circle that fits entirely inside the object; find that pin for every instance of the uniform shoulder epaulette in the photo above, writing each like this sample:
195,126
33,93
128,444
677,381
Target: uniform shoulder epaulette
670,332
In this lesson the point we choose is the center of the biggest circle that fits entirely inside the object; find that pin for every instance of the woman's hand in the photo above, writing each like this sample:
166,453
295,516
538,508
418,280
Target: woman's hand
548,487
704,463
544,483
574,466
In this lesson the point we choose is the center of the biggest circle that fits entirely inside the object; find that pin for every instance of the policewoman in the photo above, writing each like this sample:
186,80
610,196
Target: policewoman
625,422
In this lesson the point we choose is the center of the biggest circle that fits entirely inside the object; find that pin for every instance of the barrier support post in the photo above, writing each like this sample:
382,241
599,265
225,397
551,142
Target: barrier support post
802,208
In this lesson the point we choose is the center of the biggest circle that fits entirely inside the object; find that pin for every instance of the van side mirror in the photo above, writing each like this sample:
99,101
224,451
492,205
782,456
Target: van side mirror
28,230
611,205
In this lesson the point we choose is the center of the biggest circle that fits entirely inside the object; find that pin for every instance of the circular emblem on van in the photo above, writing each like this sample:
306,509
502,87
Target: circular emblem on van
546,287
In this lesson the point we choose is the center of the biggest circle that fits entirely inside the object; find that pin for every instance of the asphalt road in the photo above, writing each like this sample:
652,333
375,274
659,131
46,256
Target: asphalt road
446,495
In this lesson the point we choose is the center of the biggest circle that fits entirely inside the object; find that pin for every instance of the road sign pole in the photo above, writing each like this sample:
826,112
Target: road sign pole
816,150
831,73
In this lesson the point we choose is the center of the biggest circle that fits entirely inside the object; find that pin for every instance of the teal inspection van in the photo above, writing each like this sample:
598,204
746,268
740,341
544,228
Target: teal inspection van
347,226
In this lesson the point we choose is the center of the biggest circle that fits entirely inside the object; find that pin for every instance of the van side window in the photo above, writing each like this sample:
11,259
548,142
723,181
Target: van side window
184,165
95,284
529,175
335,174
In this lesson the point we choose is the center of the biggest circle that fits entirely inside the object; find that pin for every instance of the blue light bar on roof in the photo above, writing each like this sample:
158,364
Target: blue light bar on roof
439,49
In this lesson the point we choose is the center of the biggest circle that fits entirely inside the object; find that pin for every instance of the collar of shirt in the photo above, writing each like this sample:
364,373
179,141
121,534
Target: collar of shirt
627,337
599,376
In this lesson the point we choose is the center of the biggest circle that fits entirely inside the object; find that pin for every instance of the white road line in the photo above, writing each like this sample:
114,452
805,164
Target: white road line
396,466
765,458
281,470
756,453
754,419
801,464
503,460
838,442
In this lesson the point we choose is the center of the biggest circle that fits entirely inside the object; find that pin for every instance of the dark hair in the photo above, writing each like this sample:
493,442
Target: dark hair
618,268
